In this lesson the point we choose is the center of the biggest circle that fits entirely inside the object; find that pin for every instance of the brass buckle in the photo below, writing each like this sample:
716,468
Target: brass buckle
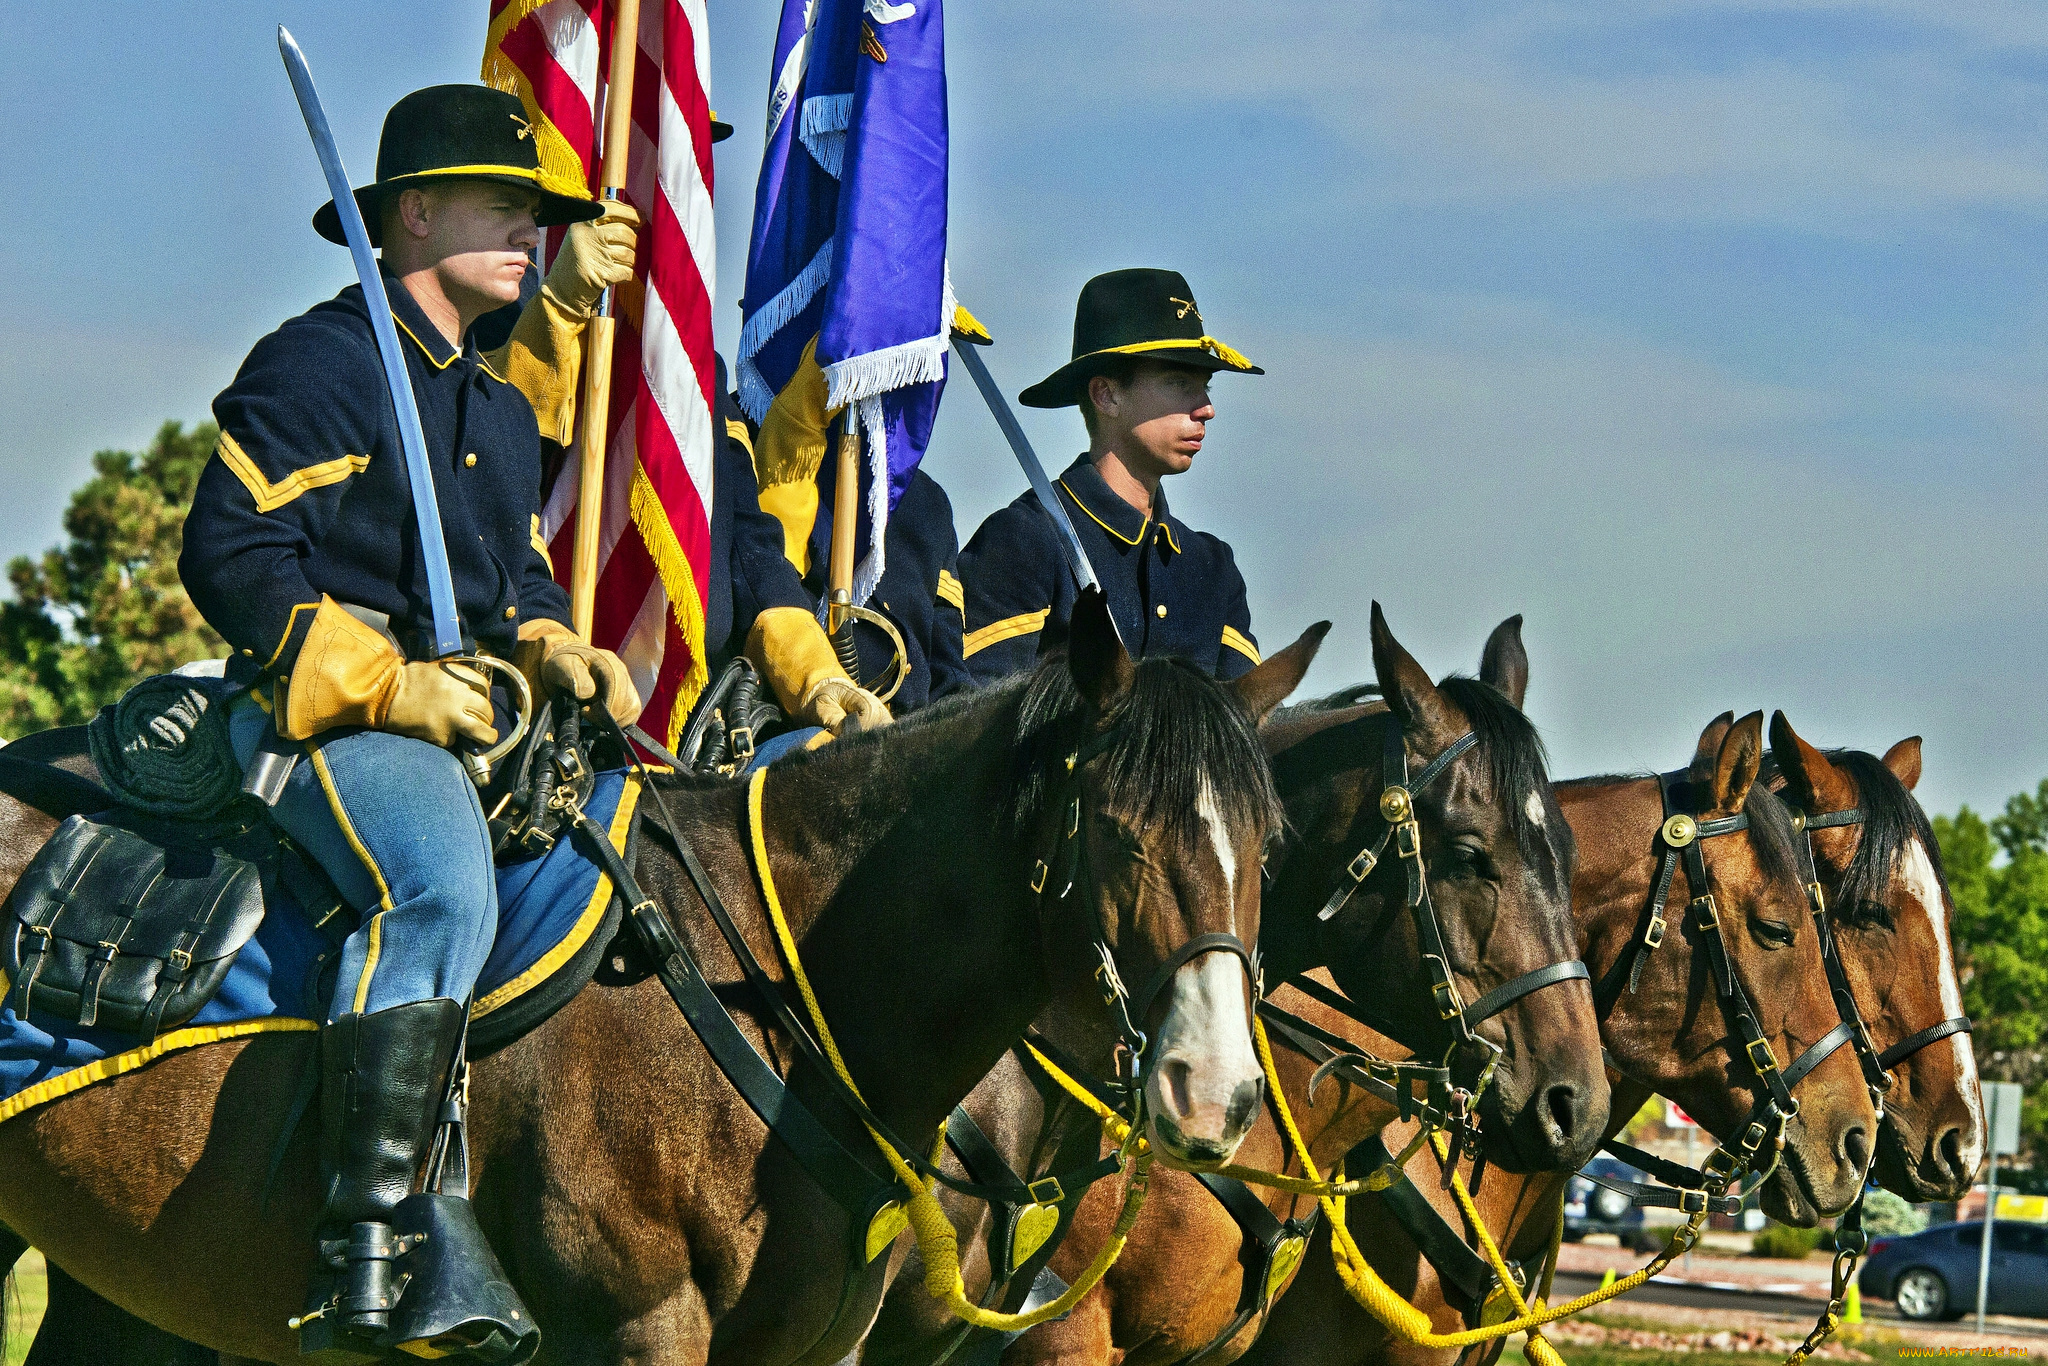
1753,1137
1767,1063
180,960
1680,831
1722,1163
1692,1202
1362,866
1705,913
1038,874
1395,805
742,738
1408,839
1046,1190
1817,898
1653,933
1444,991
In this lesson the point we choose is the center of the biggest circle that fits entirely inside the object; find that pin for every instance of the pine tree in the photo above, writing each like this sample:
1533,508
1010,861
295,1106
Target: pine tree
104,609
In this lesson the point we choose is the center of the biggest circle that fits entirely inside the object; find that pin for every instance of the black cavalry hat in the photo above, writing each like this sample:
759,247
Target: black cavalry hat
458,132
1147,313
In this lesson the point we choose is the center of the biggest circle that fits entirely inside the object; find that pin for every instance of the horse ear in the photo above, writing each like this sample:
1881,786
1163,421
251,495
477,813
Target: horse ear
1812,779
1736,766
1096,656
1903,759
1410,694
1709,748
1269,683
1504,663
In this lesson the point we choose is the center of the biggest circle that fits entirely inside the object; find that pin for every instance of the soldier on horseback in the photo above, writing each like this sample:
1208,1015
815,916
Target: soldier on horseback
303,550
1140,373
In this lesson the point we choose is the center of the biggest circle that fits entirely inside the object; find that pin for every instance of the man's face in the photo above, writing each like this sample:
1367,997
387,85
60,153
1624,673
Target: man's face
1166,410
479,231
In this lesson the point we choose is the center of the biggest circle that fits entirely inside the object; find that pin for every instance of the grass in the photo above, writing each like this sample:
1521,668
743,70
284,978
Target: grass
26,1294
1882,1344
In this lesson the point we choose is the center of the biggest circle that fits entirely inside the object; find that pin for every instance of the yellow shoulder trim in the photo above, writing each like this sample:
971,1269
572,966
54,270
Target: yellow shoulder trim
270,497
951,591
737,430
1105,525
1235,640
1006,629
540,544
81,1077
586,924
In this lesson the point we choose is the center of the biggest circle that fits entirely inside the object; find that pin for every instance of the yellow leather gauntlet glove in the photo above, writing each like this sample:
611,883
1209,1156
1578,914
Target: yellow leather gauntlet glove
594,255
559,661
348,674
790,649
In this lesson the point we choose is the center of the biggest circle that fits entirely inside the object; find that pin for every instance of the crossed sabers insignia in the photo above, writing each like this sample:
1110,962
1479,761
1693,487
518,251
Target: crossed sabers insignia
1187,306
525,128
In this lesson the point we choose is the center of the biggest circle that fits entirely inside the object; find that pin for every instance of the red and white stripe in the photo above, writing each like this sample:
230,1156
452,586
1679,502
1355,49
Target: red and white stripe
654,549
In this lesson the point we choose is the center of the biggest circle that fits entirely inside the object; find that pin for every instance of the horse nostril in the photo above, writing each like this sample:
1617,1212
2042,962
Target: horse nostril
1244,1106
1174,1077
1563,1103
1951,1149
1856,1147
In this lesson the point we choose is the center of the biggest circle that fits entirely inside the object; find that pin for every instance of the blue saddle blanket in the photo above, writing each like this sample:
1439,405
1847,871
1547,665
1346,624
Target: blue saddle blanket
549,907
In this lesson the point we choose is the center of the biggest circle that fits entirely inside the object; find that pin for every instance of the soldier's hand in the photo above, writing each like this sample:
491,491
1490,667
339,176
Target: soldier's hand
840,706
442,703
593,255
572,667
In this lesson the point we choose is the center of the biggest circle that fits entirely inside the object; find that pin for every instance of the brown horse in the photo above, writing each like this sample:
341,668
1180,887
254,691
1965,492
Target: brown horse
1890,926
1499,858
635,1200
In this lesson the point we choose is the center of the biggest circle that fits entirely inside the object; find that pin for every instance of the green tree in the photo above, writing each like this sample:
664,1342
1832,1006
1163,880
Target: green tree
1998,875
93,615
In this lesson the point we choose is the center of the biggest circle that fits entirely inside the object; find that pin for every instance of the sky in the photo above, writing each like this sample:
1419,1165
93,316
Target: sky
1708,337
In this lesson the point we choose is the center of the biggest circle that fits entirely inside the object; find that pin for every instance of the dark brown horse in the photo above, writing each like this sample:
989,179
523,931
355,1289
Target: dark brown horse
1903,978
637,1202
1499,860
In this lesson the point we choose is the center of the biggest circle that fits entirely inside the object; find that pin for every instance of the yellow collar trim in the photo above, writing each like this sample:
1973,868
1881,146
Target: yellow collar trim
1222,351
438,363
1127,540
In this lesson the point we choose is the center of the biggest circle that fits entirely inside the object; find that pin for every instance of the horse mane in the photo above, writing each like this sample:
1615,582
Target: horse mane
1892,819
1178,731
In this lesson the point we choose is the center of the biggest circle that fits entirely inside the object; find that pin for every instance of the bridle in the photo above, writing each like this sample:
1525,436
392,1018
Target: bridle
1128,1009
1450,1103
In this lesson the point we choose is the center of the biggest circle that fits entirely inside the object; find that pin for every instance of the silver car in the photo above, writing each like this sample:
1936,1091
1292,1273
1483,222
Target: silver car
1933,1275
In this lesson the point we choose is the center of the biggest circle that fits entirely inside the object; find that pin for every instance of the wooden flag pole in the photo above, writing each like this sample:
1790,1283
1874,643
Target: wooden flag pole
845,521
597,361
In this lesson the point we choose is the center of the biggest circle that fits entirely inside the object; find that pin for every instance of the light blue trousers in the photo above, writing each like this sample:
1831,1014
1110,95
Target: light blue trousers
398,826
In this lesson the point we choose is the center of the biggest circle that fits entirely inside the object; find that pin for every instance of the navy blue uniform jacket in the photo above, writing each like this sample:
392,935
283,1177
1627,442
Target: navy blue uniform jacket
307,491
1172,590
920,592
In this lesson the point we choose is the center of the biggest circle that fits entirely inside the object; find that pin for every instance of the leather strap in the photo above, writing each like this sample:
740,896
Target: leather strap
1913,1043
1263,1235
1214,942
1501,997
1466,1276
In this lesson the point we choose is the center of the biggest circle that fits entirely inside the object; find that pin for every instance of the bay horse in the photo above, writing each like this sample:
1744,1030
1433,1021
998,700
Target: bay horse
634,1199
1880,877
1498,857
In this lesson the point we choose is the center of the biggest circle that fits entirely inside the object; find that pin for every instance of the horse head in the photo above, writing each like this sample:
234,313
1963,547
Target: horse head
1168,808
1751,954
1492,905
1889,910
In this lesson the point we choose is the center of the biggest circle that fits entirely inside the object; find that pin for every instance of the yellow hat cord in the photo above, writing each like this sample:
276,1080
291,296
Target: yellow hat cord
937,1241
1221,350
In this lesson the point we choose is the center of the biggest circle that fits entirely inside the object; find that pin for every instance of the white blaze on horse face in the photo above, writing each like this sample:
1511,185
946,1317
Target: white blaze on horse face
1534,806
1211,812
1206,1080
1926,889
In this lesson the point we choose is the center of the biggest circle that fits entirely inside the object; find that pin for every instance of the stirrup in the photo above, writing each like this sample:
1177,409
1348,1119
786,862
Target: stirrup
456,1302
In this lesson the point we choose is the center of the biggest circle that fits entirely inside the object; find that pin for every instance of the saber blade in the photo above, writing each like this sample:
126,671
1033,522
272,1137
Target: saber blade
426,507
1077,558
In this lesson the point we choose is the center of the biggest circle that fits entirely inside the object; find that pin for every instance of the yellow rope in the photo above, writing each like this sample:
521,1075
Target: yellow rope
1537,1349
936,1239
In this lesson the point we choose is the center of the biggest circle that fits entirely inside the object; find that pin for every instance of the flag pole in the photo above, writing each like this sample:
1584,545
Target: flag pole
845,520
597,364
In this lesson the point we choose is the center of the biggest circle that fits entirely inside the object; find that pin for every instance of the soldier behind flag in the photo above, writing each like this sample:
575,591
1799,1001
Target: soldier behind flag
1140,373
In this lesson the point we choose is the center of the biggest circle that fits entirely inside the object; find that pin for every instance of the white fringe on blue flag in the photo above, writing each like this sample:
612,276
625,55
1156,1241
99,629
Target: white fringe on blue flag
867,575
893,367
771,318
823,129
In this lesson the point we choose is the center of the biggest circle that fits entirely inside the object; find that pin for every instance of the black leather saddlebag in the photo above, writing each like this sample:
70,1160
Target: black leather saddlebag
109,928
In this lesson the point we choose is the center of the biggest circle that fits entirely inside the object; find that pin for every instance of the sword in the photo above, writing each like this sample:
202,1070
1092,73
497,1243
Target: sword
426,508
964,347
448,642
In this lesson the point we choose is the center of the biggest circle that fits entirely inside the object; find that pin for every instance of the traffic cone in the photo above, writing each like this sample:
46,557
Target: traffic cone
1607,1280
1852,1309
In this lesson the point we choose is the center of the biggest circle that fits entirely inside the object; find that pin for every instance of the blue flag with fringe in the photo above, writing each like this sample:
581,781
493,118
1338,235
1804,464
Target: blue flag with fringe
847,297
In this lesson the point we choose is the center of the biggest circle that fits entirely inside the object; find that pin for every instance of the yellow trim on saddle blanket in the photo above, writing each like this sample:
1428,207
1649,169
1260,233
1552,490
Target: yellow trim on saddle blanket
586,924
79,1078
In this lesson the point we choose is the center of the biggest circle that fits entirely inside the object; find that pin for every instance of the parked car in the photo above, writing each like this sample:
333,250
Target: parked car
1933,1274
1591,1208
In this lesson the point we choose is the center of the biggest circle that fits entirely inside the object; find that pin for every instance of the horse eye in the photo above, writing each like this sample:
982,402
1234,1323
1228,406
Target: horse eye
1871,915
1774,933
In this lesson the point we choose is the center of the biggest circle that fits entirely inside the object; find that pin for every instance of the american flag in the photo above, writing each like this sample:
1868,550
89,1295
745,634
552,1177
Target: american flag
654,549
